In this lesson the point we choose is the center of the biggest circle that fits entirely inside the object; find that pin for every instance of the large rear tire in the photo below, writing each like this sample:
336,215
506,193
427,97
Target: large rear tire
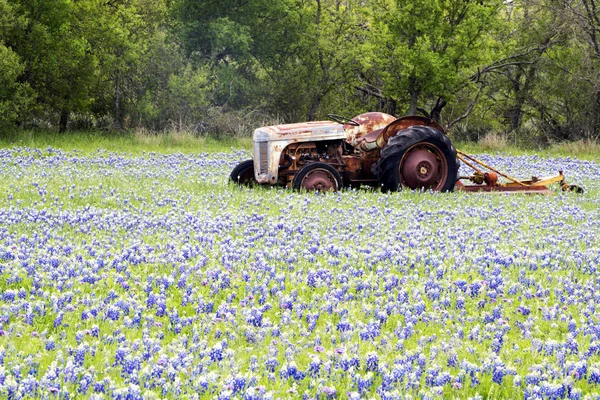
419,157
317,176
243,174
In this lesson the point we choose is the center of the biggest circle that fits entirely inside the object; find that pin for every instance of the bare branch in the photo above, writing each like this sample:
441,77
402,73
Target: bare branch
468,111
375,92
593,21
515,59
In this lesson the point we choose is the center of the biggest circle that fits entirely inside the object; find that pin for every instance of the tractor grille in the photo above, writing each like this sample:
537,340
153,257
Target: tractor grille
263,151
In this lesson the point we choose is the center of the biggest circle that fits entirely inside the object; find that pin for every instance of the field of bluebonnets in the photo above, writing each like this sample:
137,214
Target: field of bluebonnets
147,275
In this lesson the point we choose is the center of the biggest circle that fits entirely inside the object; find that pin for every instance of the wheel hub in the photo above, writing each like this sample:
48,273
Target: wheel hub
320,180
423,167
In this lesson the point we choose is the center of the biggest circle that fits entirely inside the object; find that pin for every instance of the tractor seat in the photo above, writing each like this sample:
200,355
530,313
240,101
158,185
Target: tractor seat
370,137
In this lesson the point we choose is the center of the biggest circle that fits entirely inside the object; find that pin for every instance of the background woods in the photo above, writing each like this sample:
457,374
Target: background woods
527,70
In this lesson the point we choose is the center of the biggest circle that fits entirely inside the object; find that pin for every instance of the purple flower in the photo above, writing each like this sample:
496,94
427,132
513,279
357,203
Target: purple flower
372,362
524,310
594,376
328,391
271,364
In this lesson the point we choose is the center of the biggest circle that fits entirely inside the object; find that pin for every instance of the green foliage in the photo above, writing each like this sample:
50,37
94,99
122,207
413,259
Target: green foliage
172,92
58,64
123,37
525,67
15,97
424,50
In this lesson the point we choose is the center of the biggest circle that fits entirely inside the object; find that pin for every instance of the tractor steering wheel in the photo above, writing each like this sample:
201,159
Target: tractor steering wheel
343,120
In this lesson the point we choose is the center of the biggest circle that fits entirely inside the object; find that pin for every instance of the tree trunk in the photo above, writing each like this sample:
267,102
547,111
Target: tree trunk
391,106
118,114
64,120
414,98
516,115
314,106
436,111
414,92
521,93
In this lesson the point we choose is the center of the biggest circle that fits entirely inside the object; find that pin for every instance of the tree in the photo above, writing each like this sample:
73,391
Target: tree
532,29
423,52
15,96
570,108
57,59
121,34
538,83
172,92
290,54
586,14
239,41
329,52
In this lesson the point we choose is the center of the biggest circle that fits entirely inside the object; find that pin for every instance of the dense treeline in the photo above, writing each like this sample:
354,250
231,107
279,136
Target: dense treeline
528,68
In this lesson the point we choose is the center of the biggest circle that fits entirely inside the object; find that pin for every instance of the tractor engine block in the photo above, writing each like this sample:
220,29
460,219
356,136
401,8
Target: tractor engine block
296,155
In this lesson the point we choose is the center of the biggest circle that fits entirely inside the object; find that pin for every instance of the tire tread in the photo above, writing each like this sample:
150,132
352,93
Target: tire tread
387,166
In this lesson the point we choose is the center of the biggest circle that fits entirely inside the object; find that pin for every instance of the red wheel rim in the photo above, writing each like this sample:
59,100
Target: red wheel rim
319,179
423,166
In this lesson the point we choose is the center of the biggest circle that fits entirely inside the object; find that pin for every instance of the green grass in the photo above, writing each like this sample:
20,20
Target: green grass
136,142
584,150
127,141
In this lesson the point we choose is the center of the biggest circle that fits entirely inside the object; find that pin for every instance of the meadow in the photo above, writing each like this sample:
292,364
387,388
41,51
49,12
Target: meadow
137,271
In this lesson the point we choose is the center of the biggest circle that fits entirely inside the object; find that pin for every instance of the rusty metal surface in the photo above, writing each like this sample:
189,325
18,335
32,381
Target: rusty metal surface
271,141
312,127
281,150
545,181
368,123
490,178
371,137
319,179
403,123
353,165
534,189
488,181
462,155
266,161
423,166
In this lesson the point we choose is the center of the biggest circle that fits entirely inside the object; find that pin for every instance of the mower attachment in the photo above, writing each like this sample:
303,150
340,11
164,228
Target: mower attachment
488,181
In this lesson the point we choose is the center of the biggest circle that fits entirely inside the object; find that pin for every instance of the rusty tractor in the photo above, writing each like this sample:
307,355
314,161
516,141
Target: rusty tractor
374,149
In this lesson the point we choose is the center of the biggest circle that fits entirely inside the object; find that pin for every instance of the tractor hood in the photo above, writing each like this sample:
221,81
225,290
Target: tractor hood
301,132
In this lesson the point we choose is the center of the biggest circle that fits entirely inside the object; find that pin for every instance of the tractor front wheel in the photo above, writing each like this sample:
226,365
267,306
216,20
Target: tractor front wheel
419,157
243,174
317,176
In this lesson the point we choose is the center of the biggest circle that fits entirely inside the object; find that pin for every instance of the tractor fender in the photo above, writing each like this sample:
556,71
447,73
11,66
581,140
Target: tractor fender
402,123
